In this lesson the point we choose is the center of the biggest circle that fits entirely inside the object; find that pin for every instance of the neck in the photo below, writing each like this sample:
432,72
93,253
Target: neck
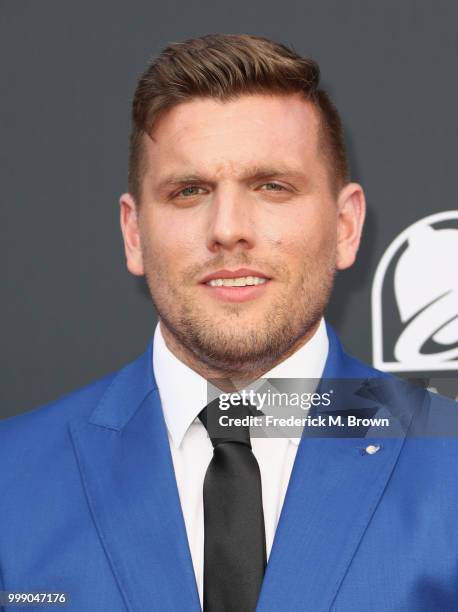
237,379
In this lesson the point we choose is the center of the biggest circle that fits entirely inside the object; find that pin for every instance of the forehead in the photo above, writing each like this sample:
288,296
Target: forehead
223,137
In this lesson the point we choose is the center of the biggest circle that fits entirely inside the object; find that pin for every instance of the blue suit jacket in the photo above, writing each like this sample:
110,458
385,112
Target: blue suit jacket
89,505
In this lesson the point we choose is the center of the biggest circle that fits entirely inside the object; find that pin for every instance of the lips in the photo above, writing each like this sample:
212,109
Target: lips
230,286
234,274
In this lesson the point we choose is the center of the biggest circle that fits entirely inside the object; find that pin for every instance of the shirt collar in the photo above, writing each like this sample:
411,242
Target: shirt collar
183,391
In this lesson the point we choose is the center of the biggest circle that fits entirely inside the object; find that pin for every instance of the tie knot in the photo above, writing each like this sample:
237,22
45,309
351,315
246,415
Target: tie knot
228,425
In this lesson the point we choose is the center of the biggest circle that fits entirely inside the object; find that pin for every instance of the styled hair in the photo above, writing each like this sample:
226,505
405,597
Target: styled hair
225,66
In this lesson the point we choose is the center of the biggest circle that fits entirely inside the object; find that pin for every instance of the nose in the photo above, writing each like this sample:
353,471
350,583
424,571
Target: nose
231,224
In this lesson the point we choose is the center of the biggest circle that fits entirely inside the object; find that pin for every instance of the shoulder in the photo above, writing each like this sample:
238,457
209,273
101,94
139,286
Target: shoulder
44,425
428,419
396,387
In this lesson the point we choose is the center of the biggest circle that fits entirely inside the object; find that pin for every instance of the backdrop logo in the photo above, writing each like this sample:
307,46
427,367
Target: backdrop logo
415,298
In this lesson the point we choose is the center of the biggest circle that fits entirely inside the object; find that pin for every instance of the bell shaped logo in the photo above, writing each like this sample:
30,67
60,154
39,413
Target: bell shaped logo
415,298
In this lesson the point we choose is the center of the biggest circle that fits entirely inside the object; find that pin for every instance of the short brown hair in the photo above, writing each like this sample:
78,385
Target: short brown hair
225,66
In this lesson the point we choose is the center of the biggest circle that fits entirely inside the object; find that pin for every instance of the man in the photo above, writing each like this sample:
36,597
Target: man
240,211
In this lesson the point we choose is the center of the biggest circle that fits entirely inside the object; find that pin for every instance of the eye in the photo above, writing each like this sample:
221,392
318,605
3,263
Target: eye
191,190
273,187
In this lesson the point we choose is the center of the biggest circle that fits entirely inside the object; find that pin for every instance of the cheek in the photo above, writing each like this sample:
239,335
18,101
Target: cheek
299,236
169,240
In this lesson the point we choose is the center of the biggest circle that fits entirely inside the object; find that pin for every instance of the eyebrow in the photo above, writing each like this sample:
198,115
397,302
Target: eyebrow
248,174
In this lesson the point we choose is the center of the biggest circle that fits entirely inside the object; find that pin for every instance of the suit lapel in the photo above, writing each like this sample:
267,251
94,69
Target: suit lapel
333,492
127,471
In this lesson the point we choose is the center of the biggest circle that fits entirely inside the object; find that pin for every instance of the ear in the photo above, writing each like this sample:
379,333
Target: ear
352,210
131,234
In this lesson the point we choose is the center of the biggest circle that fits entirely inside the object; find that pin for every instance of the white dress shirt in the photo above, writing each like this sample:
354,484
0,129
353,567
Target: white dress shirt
183,395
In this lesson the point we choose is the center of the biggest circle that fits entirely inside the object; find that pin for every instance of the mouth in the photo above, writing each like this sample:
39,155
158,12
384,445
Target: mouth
236,285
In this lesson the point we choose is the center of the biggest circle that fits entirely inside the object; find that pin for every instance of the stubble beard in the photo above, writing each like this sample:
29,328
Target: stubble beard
229,345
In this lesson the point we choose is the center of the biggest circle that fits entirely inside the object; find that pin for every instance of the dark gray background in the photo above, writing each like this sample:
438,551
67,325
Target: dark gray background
70,311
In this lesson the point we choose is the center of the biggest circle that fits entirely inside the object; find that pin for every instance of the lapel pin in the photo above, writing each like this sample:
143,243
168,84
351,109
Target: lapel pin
372,449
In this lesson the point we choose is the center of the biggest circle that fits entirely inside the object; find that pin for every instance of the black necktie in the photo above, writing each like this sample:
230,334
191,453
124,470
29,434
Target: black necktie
235,542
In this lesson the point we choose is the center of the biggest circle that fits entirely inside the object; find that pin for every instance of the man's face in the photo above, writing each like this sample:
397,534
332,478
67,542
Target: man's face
237,189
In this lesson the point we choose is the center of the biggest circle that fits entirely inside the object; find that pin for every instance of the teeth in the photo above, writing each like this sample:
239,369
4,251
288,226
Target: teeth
241,281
